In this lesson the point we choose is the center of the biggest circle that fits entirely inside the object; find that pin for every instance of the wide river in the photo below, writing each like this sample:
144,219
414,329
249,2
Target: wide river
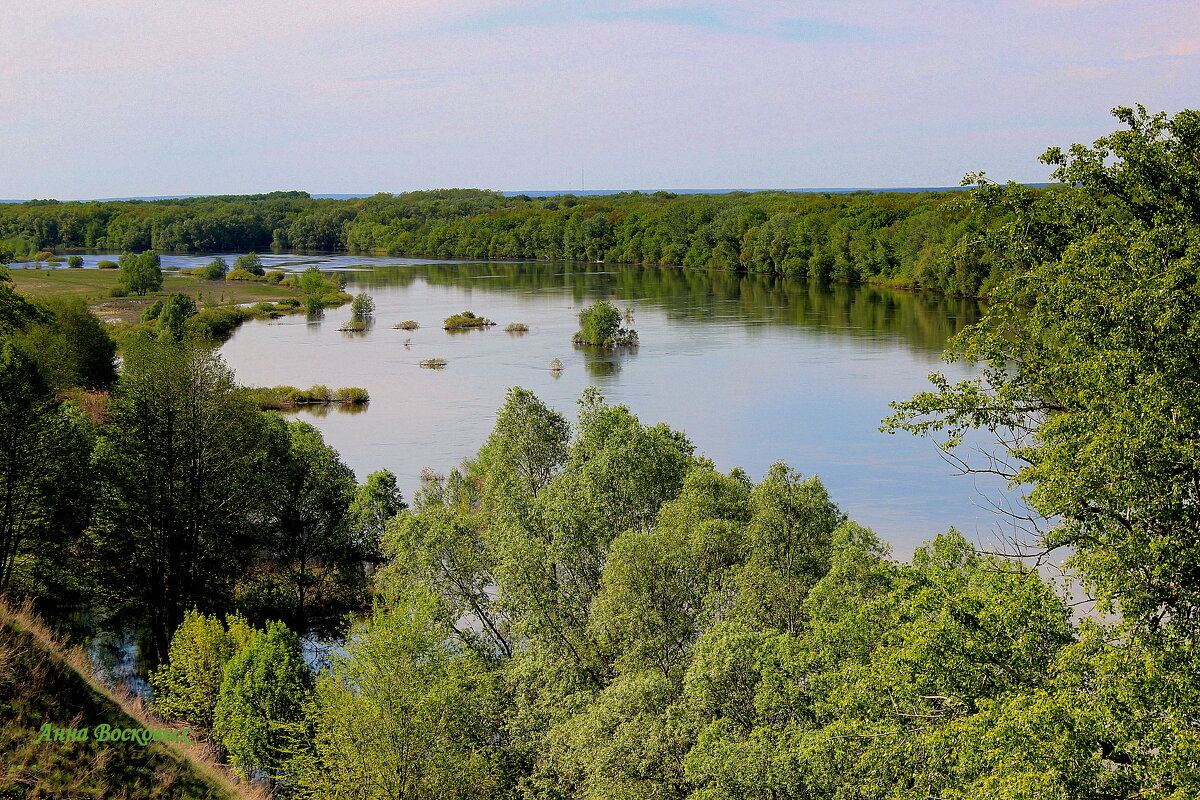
754,369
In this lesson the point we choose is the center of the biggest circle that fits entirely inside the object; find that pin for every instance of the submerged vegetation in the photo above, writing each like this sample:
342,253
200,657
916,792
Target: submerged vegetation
433,363
465,320
407,325
600,326
285,397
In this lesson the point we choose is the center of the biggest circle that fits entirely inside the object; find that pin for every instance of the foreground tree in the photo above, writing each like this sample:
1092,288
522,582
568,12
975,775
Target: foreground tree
184,462
261,702
1090,359
188,686
45,490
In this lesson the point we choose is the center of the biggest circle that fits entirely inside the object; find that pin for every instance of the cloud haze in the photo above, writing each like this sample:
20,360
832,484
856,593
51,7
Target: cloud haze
132,97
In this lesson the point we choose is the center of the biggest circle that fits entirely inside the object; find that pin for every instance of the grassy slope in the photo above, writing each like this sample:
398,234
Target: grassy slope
40,683
93,285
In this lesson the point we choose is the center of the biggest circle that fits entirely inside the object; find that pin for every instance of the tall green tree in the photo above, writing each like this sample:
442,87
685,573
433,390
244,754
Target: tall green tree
140,273
184,461
402,713
71,346
314,564
1088,362
45,486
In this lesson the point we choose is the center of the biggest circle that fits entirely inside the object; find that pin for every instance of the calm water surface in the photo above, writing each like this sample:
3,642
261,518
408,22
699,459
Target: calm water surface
754,369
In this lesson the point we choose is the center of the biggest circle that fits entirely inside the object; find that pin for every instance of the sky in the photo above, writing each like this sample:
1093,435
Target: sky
167,97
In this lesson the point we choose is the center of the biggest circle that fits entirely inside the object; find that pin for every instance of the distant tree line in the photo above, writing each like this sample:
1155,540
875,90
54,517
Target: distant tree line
906,238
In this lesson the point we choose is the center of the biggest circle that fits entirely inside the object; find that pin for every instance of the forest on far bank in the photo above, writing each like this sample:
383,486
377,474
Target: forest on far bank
918,239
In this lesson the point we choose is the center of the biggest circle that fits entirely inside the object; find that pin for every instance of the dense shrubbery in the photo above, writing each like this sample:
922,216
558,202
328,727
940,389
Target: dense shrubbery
464,320
600,326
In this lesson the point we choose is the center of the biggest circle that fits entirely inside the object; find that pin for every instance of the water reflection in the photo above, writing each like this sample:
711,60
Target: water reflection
755,369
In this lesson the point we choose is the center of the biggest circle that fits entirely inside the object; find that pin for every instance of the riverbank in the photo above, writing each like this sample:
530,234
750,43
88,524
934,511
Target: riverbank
95,288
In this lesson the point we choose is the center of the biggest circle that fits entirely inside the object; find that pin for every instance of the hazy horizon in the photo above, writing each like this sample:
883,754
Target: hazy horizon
130,98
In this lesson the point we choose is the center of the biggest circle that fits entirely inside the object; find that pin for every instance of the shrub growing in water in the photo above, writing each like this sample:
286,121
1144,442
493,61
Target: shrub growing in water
362,305
75,262
466,319
517,327
600,325
407,325
351,394
104,263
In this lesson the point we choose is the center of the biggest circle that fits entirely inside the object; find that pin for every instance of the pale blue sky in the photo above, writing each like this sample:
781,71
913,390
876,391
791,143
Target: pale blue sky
133,97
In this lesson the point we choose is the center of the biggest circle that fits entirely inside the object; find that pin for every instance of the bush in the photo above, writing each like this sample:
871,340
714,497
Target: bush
600,326
354,326
118,291
320,394
517,327
104,263
464,320
249,263
407,325
313,304
213,270
274,276
433,363
556,365
240,275
289,302
75,262
335,299
362,305
217,324
352,394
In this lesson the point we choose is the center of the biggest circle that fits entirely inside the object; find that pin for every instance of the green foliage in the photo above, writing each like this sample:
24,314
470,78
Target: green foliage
407,325
905,238
75,262
375,503
600,325
171,321
274,276
403,714
1088,359
362,306
214,270
45,489
465,320
170,535
140,273
105,263
188,686
249,262
262,694
351,394
240,275
316,571
70,345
